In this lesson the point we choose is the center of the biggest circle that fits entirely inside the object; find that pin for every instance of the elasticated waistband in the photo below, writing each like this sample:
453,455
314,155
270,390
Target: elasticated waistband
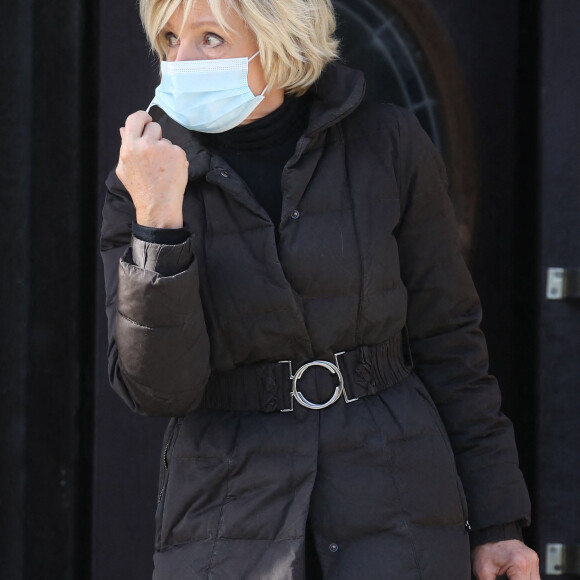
267,387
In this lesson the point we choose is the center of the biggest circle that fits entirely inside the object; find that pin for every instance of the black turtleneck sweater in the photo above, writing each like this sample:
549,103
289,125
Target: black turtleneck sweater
258,152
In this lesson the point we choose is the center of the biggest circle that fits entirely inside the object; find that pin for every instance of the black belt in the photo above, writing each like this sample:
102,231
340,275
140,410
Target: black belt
278,386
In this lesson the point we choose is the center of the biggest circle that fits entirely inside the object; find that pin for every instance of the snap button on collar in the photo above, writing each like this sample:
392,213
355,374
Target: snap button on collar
295,214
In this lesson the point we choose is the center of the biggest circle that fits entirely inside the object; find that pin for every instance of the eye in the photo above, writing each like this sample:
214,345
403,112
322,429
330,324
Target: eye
212,40
171,40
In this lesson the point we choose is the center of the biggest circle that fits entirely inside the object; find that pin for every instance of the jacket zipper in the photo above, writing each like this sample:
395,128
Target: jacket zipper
165,460
165,469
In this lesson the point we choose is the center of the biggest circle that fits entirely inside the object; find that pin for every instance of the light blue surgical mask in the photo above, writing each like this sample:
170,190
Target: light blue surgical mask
210,96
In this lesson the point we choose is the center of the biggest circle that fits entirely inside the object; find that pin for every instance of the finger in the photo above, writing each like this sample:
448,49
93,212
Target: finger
179,151
518,575
485,571
153,131
135,124
521,570
166,141
528,563
486,574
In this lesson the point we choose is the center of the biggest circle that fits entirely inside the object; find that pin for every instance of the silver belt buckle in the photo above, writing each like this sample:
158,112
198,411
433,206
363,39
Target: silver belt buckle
296,394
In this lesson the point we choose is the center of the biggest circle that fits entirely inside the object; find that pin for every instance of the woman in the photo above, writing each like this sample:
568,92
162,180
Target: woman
291,292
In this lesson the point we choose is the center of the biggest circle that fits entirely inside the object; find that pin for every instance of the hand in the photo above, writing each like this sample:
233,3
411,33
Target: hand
154,172
510,557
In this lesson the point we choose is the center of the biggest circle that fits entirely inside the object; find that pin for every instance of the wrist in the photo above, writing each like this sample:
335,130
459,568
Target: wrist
172,221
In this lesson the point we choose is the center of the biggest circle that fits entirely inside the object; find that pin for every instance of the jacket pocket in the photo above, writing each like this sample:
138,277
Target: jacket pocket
169,440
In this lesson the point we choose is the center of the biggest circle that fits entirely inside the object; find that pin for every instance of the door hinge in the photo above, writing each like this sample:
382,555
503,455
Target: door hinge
563,559
563,283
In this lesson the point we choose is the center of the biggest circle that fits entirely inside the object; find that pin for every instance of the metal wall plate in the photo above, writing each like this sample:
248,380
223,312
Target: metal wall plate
554,559
562,559
563,283
555,285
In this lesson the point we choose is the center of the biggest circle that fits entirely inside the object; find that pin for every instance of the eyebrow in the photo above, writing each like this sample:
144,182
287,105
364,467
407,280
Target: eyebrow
196,25
207,22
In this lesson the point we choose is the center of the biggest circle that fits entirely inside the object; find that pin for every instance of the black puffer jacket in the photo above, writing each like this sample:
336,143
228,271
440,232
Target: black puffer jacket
367,255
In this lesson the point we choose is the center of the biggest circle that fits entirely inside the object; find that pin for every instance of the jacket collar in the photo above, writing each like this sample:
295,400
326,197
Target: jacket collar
336,94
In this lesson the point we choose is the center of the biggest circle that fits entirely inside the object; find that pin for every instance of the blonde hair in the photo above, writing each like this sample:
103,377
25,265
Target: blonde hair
295,37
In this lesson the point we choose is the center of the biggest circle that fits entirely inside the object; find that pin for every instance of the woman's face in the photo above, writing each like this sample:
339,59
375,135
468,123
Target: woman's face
203,38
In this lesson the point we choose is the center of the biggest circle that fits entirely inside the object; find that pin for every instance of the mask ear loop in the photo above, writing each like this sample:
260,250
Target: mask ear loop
250,60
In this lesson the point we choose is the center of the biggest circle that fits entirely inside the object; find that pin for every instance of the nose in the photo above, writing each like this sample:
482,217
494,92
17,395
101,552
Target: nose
187,51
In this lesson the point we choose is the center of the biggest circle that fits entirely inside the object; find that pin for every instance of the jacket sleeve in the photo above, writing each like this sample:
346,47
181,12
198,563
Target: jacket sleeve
448,348
158,350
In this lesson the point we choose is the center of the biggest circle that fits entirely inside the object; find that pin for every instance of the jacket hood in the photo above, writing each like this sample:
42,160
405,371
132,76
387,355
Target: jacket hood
336,94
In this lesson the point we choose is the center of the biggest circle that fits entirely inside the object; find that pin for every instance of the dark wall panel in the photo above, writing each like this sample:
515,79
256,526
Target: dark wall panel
47,289
15,145
559,393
